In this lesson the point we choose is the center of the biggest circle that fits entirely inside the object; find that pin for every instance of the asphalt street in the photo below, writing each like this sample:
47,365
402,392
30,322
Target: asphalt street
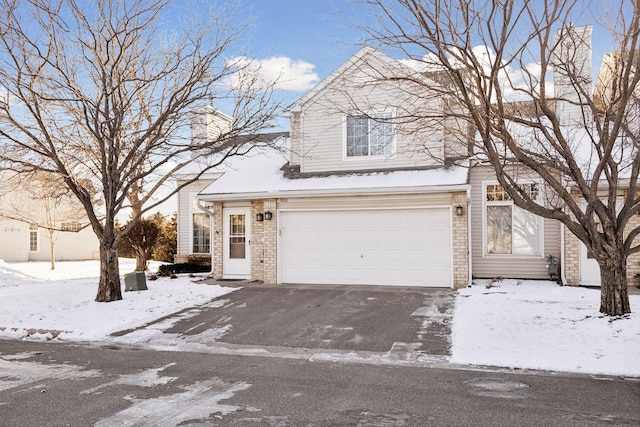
75,385
295,356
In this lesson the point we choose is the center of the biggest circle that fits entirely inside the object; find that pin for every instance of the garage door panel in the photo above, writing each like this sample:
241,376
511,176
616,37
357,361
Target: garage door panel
378,247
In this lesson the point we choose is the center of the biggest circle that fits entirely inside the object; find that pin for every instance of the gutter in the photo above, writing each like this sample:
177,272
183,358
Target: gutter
563,279
333,192
470,246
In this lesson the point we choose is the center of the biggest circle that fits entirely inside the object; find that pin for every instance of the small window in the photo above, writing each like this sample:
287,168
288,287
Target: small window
237,236
34,240
71,226
369,136
511,230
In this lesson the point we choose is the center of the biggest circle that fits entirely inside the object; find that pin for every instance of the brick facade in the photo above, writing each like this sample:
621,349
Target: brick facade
217,240
571,258
460,239
264,241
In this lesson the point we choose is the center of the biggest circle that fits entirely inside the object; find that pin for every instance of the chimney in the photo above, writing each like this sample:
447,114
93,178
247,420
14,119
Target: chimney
207,124
572,74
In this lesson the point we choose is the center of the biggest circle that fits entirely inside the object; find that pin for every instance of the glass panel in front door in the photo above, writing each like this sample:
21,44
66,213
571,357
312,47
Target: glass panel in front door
237,236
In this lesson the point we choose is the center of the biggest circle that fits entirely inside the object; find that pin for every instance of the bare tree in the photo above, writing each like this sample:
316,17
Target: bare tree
491,63
103,90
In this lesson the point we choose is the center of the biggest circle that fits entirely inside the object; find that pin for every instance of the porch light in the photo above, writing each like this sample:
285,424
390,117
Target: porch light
268,215
459,210
259,217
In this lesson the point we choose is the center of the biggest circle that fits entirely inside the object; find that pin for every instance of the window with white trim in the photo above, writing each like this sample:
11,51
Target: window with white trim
369,136
71,226
511,230
200,230
34,238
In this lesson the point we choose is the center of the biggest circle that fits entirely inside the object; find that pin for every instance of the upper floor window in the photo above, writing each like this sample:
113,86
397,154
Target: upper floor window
509,229
369,136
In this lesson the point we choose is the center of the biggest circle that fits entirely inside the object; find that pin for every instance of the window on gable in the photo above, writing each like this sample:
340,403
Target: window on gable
369,136
511,230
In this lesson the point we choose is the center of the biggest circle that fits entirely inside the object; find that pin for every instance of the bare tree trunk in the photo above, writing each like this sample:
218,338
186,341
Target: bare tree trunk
52,246
141,261
614,297
109,287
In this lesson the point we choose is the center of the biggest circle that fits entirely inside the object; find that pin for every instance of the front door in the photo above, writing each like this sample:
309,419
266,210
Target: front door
237,243
589,268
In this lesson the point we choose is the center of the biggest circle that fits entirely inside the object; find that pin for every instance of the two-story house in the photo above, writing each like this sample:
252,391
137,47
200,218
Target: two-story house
361,194
352,198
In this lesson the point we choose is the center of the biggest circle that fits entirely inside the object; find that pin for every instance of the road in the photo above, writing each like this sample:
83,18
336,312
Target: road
64,384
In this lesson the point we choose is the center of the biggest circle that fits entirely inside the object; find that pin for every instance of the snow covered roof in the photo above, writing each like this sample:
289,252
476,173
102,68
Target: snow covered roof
200,164
260,175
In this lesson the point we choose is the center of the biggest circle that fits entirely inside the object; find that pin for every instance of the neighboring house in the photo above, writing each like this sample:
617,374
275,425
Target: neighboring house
28,222
355,198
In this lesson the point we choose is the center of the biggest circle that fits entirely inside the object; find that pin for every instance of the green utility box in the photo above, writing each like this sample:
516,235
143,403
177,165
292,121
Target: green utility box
135,281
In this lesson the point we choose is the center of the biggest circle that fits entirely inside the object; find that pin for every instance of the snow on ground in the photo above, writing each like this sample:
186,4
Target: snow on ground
516,324
38,303
540,325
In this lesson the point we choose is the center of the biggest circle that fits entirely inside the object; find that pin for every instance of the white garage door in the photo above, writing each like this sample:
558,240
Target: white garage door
409,247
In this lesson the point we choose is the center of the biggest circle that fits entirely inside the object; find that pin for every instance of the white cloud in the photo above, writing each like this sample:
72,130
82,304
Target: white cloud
516,83
286,73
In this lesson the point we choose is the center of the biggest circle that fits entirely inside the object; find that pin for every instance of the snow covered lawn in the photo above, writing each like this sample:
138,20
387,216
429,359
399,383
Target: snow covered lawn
37,303
540,325
518,324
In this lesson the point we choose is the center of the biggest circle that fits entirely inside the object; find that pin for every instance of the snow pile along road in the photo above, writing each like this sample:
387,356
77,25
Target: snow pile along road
38,303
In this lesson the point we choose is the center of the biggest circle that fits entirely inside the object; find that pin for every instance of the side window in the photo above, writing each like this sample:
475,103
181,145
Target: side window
510,230
200,229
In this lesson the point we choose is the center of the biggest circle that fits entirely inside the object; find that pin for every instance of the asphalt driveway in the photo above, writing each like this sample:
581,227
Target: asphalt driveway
396,322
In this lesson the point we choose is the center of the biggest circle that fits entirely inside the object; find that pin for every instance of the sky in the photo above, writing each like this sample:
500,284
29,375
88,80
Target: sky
304,41
307,40
301,42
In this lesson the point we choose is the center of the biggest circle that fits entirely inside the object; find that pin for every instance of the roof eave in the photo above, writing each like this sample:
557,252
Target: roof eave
221,197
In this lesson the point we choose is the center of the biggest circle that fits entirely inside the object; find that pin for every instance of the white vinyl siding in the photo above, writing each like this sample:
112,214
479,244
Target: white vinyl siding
484,266
185,211
322,130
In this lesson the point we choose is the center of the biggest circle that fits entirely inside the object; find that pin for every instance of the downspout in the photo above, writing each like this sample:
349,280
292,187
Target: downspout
211,215
563,280
470,249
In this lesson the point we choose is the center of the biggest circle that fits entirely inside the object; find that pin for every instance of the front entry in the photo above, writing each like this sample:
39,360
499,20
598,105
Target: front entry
589,268
236,258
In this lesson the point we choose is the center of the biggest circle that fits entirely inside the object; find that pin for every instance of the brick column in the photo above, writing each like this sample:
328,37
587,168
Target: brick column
257,241
460,239
217,240
270,242
571,258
